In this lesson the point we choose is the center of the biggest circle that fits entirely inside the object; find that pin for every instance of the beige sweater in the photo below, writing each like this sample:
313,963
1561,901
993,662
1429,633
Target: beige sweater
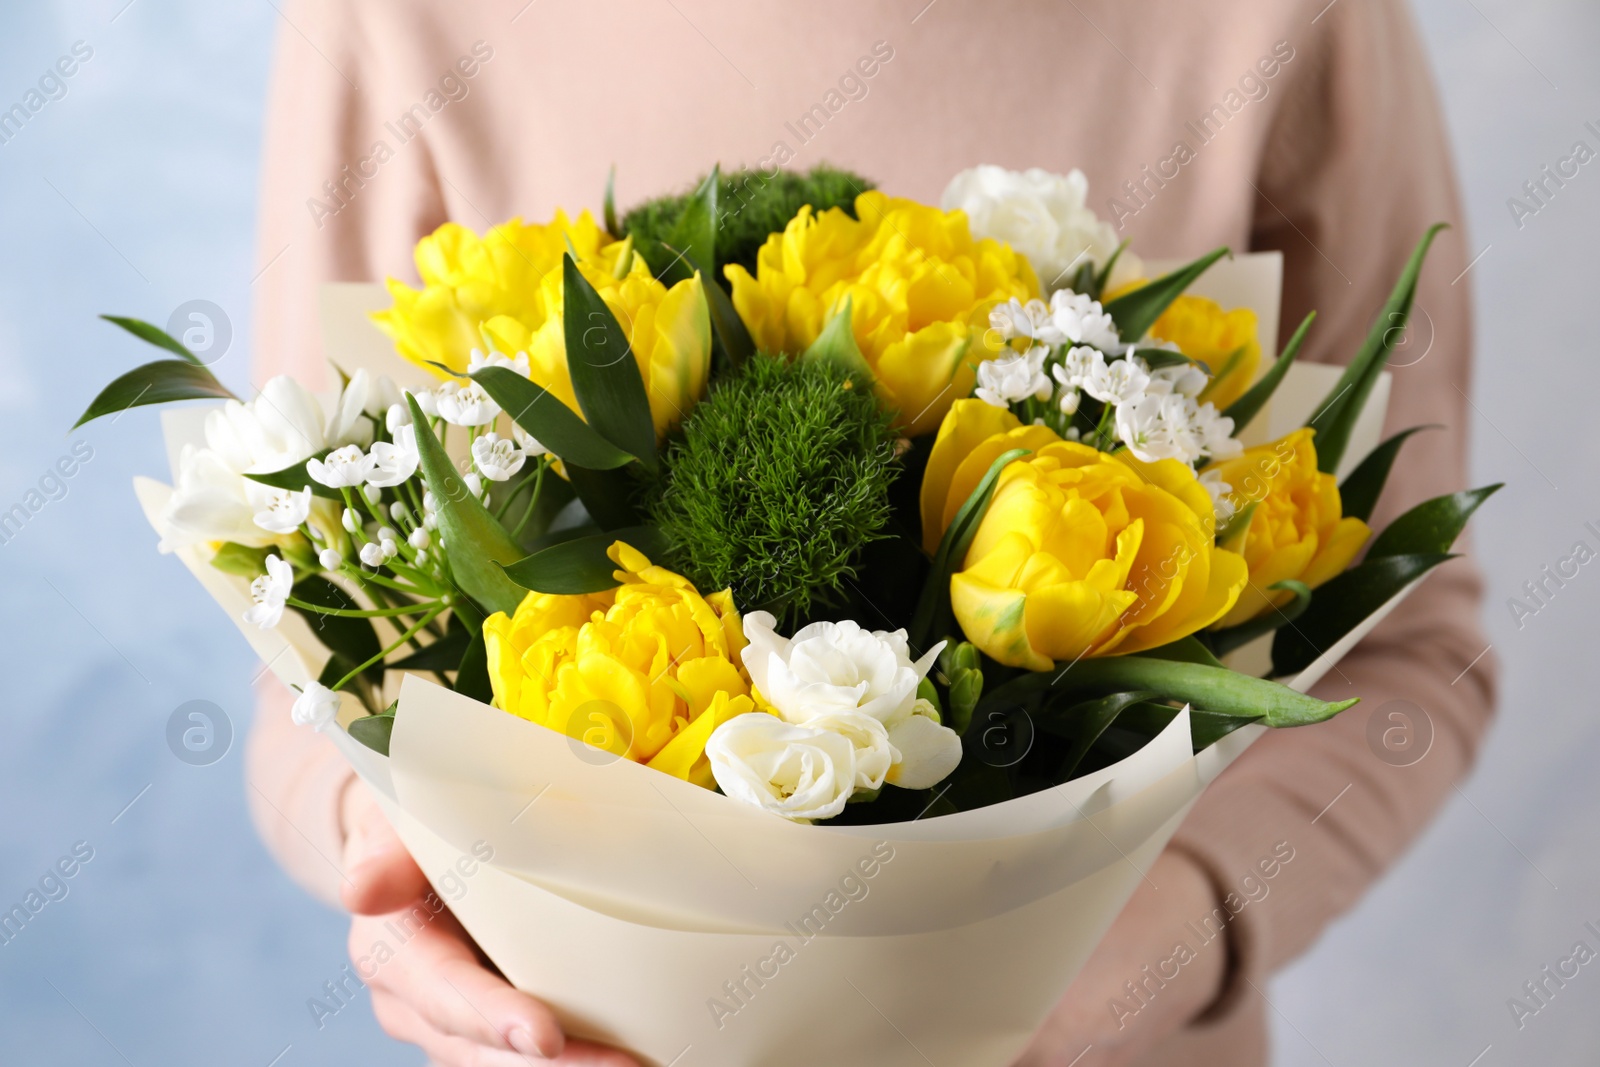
1259,124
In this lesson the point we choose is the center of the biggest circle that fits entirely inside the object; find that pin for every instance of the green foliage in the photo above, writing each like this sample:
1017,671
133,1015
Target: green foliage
778,480
753,206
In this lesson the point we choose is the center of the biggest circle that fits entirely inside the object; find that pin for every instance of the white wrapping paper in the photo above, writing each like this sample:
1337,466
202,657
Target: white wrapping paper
699,932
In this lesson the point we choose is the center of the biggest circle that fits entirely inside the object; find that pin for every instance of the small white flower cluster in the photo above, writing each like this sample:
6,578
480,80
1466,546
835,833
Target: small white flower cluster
847,718
1157,413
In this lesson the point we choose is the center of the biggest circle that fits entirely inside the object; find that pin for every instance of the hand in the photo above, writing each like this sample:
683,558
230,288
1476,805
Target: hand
434,991
1145,934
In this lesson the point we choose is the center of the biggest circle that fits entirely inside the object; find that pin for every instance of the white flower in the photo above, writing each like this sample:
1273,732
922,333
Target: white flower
344,468
428,401
1044,216
1221,506
466,405
270,592
210,503
1172,426
497,457
836,668
1216,433
1009,378
1082,321
476,361
279,428
527,442
474,483
331,559
372,554
350,520
794,771
1069,400
283,510
1016,319
394,462
317,707
1184,378
419,538
1121,381
349,424
397,416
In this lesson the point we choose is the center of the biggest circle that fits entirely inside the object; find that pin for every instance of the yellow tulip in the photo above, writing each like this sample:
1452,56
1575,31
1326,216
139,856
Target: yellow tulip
1204,332
646,671
1297,531
920,290
509,284
1080,553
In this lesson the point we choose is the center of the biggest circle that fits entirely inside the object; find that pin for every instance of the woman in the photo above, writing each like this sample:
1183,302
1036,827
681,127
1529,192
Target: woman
1259,124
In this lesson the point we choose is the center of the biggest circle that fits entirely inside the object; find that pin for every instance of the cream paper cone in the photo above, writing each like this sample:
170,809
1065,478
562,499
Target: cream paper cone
699,932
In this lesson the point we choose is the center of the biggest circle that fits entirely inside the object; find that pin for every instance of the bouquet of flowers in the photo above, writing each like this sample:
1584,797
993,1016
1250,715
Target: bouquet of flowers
785,594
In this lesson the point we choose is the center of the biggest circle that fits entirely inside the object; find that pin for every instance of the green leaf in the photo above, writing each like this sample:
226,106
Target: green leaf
1135,312
1358,493
1083,281
1216,688
474,541
933,608
1105,272
354,640
154,335
472,679
1084,723
726,325
1431,526
1341,604
611,203
1244,409
295,479
605,374
695,233
246,562
556,426
1225,641
836,344
1337,414
374,731
608,496
1156,358
1184,650
581,565
160,382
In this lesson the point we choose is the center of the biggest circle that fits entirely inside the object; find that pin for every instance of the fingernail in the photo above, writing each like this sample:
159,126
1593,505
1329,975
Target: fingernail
522,1040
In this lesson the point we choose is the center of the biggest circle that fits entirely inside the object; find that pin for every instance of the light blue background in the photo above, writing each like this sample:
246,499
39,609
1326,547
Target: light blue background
181,943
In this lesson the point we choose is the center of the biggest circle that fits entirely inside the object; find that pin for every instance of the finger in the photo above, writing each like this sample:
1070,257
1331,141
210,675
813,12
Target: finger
588,1054
400,1022
380,876
437,973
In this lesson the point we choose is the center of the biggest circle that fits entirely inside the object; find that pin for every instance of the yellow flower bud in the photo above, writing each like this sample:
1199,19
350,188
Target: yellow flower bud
508,284
1298,530
1210,335
1080,553
646,671
920,289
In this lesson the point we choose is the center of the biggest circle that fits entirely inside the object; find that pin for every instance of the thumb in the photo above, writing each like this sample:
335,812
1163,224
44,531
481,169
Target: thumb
379,874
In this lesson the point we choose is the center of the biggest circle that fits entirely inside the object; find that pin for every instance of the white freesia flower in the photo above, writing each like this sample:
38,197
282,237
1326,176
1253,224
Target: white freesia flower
317,707
394,462
1221,506
1121,381
466,405
497,457
476,361
349,424
529,444
283,510
794,771
344,468
1010,378
1015,319
833,668
1080,320
279,428
1044,216
210,503
270,591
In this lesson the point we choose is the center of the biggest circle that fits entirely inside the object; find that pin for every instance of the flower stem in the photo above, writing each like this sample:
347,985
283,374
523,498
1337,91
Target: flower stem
364,613
533,500
402,639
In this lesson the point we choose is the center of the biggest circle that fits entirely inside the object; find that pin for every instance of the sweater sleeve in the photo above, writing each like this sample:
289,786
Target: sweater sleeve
335,206
1355,170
